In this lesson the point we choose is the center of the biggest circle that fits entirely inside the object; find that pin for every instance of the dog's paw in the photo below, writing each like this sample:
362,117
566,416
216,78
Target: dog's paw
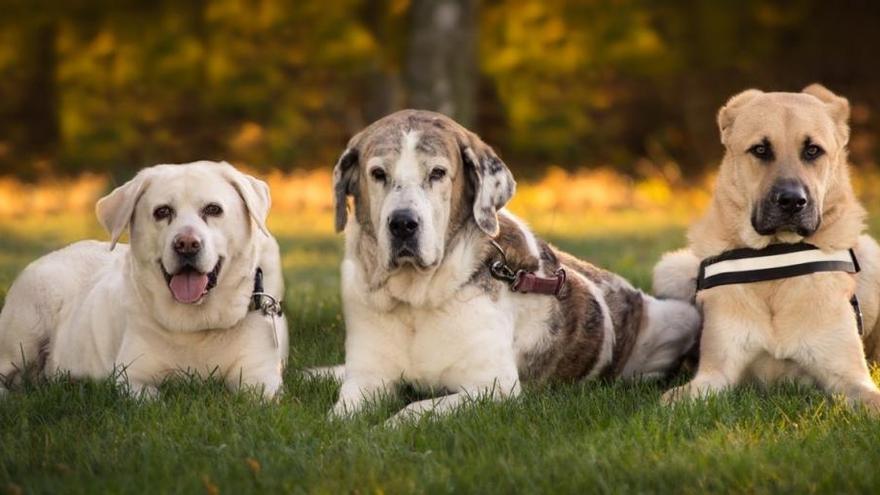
266,387
342,410
675,395
870,402
144,392
406,415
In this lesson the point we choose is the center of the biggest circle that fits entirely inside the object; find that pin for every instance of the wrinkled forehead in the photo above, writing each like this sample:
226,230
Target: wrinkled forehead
189,186
786,118
387,144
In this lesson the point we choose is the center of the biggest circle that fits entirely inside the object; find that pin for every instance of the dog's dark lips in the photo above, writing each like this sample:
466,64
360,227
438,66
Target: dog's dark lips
212,275
405,253
796,229
403,256
777,229
406,257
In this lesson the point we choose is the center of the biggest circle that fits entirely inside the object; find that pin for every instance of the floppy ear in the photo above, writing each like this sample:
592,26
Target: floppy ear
345,175
838,107
493,183
254,193
728,112
115,210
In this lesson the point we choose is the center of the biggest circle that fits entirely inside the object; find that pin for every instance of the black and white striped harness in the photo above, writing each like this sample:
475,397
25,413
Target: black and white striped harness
774,262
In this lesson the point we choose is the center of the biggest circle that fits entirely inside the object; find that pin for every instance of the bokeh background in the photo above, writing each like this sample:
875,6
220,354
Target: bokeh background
604,109
629,85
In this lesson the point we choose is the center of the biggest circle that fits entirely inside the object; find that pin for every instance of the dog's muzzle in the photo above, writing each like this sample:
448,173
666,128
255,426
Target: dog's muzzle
786,208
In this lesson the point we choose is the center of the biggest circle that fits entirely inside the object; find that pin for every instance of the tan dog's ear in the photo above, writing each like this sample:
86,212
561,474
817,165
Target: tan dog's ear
254,193
838,107
115,210
345,177
493,183
728,112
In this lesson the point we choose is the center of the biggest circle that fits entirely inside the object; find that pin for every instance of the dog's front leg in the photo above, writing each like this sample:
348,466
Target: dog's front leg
847,377
731,341
259,363
375,356
441,406
140,390
264,379
139,367
834,355
135,383
358,390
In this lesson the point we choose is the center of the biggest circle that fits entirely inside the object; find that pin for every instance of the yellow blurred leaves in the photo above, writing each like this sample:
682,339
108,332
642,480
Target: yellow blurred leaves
210,487
249,136
50,196
253,465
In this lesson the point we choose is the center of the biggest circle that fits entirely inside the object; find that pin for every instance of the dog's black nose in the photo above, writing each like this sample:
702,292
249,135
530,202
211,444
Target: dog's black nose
403,224
790,197
187,245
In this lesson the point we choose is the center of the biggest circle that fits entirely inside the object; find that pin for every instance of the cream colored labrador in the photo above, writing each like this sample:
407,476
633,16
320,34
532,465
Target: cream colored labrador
180,297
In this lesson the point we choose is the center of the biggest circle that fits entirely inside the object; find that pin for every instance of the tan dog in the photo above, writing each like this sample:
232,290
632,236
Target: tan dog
784,179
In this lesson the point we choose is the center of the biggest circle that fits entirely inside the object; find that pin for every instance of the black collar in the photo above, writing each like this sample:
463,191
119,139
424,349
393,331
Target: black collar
260,300
776,261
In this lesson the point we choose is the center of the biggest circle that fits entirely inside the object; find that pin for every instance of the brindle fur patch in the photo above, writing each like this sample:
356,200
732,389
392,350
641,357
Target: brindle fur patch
575,329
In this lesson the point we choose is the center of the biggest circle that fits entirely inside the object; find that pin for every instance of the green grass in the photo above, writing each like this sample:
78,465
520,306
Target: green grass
81,437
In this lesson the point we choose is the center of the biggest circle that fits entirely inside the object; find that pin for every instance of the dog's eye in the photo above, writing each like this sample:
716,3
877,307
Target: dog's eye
378,175
212,210
438,173
812,151
162,212
762,151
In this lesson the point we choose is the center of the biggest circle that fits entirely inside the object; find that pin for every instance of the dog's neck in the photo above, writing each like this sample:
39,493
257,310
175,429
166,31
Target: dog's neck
727,223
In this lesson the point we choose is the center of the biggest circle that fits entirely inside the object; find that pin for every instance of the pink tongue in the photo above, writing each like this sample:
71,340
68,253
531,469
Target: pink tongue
188,287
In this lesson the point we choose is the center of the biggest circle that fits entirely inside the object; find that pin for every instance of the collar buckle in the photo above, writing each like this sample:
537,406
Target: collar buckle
523,281
265,303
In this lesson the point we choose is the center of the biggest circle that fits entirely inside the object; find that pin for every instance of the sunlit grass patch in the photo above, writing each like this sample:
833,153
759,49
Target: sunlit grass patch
68,436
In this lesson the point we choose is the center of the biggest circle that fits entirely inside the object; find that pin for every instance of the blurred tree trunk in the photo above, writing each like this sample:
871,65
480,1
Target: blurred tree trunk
383,85
38,110
441,63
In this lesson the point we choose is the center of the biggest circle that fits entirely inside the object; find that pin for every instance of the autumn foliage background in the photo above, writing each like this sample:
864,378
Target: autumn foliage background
605,111
617,97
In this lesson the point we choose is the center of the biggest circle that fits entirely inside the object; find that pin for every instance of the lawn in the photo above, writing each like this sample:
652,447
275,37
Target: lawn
77,437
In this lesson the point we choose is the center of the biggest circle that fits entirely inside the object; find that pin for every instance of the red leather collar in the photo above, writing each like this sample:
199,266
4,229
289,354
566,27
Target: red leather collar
526,282
529,282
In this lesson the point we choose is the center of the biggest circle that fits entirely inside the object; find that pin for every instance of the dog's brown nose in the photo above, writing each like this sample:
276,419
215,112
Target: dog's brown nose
187,244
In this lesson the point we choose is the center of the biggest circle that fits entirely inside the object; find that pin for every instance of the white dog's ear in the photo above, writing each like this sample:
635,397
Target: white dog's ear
345,176
115,210
727,114
254,193
492,180
838,107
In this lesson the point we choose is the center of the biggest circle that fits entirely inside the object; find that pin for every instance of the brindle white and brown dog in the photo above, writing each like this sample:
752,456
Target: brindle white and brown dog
423,306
